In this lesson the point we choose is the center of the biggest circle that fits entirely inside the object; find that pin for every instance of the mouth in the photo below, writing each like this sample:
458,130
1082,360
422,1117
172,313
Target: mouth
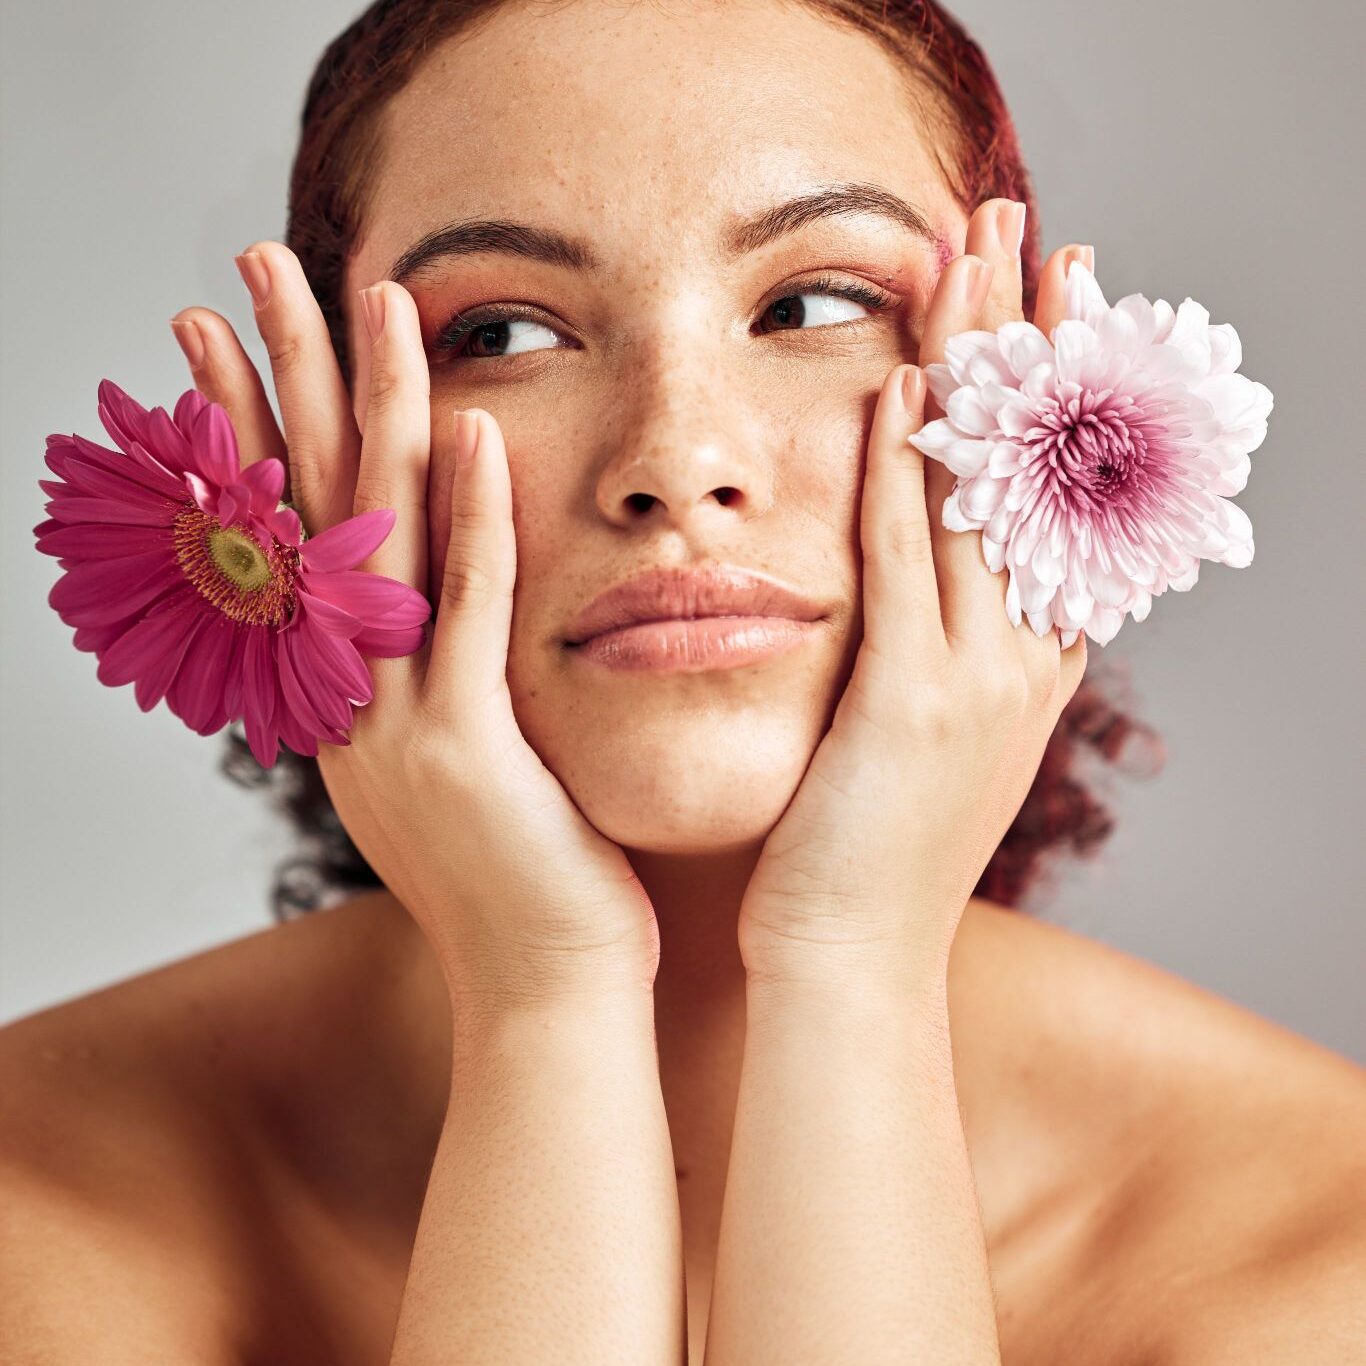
673,596
694,644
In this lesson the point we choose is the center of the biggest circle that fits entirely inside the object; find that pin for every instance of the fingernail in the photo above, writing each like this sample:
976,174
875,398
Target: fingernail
1086,255
913,388
978,281
253,271
191,340
372,303
1010,221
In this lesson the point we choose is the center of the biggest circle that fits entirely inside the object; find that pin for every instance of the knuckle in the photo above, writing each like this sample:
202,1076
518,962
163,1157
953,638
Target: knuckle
285,348
467,581
385,386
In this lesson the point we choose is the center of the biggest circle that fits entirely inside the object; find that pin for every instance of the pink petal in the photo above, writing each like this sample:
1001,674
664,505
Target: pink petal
331,618
196,695
265,479
369,596
345,545
147,646
259,694
105,591
215,445
326,701
74,508
100,541
124,418
384,644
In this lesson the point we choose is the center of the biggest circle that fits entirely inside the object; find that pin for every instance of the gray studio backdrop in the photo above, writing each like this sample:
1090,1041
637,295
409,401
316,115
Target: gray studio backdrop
1203,150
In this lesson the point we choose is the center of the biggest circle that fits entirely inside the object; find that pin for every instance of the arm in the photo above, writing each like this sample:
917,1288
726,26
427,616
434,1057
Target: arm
850,1231
551,1228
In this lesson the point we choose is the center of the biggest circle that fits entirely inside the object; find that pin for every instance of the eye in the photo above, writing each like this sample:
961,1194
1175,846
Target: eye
488,326
485,326
865,295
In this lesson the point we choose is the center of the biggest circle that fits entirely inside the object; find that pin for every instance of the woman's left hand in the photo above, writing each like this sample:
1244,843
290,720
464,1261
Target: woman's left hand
942,727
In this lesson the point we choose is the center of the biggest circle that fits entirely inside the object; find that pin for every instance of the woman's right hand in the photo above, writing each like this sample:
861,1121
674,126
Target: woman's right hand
520,897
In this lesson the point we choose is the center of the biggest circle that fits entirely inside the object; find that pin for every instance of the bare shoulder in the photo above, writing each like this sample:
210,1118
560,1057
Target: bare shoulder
137,1136
1230,1223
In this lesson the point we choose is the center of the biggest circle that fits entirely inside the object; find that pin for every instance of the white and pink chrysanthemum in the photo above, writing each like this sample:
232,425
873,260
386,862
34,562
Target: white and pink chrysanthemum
1097,463
187,577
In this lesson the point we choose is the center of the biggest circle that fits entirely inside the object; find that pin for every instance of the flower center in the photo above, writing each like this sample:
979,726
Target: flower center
250,583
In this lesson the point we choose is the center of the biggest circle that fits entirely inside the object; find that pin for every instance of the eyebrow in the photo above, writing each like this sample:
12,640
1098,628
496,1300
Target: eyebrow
506,237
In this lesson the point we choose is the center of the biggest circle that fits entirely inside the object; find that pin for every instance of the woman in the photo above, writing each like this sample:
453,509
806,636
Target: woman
643,1046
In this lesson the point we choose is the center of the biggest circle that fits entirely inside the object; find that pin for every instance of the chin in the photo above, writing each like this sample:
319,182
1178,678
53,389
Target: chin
687,787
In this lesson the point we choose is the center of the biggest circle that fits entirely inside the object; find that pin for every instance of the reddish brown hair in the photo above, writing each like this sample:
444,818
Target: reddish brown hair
953,89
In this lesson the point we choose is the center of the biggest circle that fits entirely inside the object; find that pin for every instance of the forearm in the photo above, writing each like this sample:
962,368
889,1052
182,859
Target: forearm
850,1231
550,1229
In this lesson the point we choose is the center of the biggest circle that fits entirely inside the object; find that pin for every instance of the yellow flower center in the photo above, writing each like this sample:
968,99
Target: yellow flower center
248,582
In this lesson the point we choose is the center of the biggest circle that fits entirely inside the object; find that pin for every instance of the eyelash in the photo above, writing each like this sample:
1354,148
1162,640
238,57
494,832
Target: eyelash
453,333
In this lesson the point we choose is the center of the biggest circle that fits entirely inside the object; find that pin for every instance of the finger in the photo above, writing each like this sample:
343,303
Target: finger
972,598
901,620
224,373
315,409
469,649
396,449
994,234
1050,303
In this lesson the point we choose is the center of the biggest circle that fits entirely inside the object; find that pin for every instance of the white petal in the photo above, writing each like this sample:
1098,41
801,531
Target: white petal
969,414
1013,600
940,381
1047,566
1017,418
1105,623
1041,622
1073,341
1237,526
1068,637
1232,475
1137,308
994,553
967,457
1186,580
981,497
1024,346
1162,312
1083,296
951,514
1226,349
1190,335
1039,383
1142,607
1118,332
933,437
989,366
962,347
1077,600
1006,458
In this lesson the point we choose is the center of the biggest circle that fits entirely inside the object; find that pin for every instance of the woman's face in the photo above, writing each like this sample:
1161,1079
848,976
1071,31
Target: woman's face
674,403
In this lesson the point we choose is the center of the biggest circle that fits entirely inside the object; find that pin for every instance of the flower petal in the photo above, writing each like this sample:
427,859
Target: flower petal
345,545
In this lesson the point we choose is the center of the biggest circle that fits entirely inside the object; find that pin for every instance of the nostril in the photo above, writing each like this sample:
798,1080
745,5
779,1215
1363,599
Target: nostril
641,502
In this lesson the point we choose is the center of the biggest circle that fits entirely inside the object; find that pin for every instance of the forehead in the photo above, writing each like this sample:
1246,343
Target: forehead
646,125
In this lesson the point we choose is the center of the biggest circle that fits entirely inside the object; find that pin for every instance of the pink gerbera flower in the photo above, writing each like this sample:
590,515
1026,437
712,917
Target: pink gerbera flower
1097,462
187,578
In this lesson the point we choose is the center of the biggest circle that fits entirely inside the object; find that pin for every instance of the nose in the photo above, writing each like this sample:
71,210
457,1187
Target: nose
688,454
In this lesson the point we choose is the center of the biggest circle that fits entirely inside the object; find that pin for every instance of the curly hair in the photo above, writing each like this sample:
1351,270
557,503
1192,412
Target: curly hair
952,87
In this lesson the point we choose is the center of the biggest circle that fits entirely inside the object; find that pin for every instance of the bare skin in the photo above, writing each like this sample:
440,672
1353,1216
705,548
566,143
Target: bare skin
249,1133
240,1142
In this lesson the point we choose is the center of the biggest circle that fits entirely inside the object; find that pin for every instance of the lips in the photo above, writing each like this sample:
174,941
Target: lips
667,592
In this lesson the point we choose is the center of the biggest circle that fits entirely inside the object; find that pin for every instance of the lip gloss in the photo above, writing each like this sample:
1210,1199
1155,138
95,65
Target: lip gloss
694,645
